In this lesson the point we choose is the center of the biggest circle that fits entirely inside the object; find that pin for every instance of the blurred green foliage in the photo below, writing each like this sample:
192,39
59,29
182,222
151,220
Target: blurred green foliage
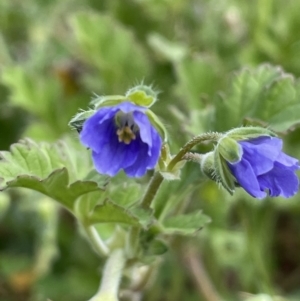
55,54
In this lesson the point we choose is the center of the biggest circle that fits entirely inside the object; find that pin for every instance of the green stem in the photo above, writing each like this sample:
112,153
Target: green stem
157,179
134,234
96,241
188,146
193,157
132,242
152,190
112,273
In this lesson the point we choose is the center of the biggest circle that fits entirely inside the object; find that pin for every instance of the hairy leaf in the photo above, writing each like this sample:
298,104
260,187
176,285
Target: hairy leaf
266,94
185,224
45,168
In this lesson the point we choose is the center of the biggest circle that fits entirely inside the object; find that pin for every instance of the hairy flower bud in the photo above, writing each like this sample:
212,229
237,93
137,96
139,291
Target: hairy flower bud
207,165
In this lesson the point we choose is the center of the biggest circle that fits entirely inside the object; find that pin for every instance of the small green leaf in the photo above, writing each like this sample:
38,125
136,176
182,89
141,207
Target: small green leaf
109,212
185,224
145,216
155,247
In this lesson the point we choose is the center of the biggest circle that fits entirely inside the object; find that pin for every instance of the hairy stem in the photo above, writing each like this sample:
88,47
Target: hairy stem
112,273
132,241
152,190
188,146
193,157
134,234
96,241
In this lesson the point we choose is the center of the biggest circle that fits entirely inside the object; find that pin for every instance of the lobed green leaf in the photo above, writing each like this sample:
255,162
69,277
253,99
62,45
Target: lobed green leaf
266,94
45,168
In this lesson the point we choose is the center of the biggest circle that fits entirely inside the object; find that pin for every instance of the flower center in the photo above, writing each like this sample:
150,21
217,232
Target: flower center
125,135
127,128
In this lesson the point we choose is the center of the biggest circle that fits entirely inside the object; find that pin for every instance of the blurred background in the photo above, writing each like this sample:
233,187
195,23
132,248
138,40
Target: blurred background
55,55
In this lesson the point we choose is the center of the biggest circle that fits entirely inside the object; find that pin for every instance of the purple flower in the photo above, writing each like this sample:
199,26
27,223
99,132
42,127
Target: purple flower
122,137
263,166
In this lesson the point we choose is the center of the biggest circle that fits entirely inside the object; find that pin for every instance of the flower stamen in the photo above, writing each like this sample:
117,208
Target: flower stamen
126,135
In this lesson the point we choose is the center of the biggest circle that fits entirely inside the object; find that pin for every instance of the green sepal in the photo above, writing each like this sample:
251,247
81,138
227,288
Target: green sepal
155,121
249,132
142,95
107,101
223,174
207,165
229,149
78,120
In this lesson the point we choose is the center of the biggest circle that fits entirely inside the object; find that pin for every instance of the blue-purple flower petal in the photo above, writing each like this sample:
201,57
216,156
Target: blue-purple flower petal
286,160
128,107
110,155
280,181
100,123
264,167
261,152
143,162
246,177
145,129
